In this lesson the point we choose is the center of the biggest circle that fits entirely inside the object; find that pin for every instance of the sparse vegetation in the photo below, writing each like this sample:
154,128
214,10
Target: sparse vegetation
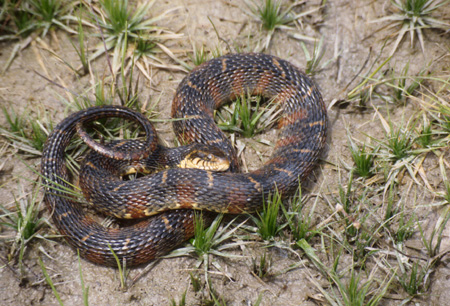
247,117
369,226
122,27
272,17
413,16
25,221
25,132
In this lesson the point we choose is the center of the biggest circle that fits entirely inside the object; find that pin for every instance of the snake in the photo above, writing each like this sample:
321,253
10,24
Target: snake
166,201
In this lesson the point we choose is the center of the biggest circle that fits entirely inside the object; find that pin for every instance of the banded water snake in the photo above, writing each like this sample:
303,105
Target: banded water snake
301,139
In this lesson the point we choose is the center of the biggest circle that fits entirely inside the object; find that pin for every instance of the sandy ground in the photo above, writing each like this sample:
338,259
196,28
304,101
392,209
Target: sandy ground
352,43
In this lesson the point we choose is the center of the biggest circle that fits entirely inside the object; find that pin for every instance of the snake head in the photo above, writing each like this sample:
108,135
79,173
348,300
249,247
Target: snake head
205,157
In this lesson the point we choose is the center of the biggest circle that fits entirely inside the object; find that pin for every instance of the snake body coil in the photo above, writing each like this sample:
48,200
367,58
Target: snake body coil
301,138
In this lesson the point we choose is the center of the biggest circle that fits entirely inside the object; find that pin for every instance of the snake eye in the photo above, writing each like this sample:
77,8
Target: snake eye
209,157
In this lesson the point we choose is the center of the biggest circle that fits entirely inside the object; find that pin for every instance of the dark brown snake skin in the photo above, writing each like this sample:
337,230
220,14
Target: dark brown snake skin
301,138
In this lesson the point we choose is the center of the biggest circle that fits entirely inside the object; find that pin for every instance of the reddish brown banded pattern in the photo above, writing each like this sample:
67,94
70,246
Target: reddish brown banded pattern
288,119
303,136
288,140
94,256
135,211
185,195
237,83
264,81
216,93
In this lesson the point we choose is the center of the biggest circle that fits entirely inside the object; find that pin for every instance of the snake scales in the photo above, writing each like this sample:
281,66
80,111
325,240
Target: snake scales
301,138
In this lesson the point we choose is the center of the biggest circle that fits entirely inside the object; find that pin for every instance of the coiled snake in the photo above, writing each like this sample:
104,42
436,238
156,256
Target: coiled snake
301,138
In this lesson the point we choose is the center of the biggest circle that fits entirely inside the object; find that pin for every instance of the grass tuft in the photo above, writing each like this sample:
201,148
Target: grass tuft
413,16
209,240
297,221
363,160
42,16
25,132
313,60
267,220
414,282
199,55
202,55
195,282
351,290
204,237
402,91
261,268
181,302
29,19
399,143
25,220
122,26
247,117
406,228
273,18
433,242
